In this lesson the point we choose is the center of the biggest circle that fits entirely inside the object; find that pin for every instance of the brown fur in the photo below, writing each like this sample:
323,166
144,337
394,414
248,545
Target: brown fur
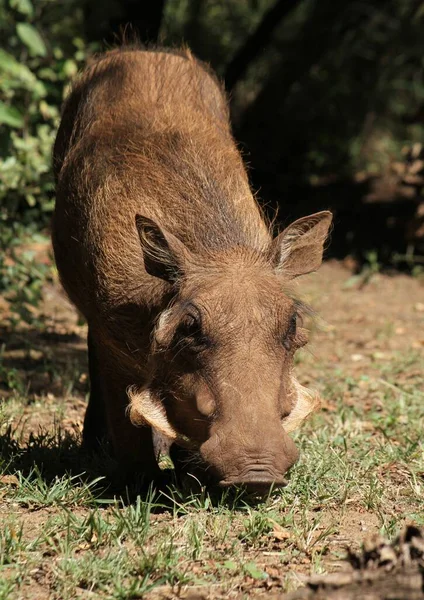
154,219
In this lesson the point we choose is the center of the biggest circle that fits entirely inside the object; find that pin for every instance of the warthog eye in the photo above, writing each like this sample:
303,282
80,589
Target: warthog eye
290,334
189,334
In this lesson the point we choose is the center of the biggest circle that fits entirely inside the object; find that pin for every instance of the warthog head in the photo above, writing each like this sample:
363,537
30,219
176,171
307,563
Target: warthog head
223,351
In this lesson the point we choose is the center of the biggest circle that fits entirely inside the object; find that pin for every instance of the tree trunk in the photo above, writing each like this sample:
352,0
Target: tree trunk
256,43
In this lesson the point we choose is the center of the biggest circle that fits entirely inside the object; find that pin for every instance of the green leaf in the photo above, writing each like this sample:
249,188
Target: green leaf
10,66
70,68
254,571
48,73
23,6
31,200
230,564
9,115
31,38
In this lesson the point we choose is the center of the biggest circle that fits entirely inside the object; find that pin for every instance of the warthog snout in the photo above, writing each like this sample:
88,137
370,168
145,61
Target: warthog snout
234,463
256,480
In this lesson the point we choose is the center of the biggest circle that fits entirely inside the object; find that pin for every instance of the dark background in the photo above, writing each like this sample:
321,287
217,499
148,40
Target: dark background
327,102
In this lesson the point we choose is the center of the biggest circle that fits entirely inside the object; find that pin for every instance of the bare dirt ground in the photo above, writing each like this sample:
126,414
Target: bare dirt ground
366,357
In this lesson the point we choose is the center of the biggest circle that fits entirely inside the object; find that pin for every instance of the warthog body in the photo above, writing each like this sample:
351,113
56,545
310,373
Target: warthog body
161,245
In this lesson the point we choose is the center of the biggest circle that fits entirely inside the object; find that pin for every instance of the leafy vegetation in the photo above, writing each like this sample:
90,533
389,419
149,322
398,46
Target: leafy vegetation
41,51
22,274
365,79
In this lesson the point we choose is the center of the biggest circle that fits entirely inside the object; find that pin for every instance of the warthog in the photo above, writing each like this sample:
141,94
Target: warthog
161,245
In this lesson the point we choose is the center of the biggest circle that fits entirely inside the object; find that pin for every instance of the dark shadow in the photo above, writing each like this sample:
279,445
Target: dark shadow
111,21
49,456
42,362
360,226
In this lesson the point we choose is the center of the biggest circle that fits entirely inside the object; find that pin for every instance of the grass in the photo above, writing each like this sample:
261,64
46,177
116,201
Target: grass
362,458
67,531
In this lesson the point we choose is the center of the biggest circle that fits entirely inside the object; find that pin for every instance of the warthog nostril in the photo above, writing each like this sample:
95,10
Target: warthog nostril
255,480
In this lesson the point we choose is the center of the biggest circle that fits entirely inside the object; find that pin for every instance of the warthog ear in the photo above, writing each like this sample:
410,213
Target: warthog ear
298,249
164,255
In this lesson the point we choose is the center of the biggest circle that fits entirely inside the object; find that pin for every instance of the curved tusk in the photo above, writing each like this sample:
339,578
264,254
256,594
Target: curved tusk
307,403
146,408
